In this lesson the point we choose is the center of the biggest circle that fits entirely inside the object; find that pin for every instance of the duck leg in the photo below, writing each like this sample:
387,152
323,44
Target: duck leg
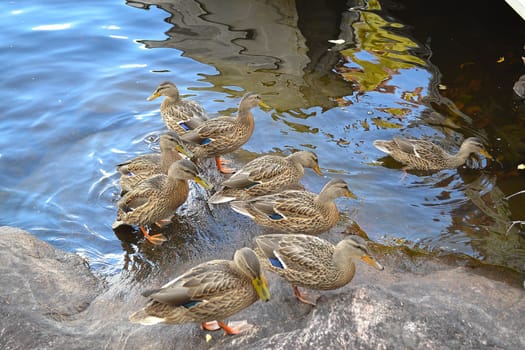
210,326
221,165
310,299
235,327
157,239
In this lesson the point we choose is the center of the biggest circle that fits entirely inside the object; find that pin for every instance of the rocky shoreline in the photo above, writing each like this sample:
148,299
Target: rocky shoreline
49,299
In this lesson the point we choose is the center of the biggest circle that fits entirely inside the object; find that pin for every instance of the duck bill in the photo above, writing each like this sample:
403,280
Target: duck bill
317,170
203,182
264,105
152,97
349,194
372,262
261,287
183,149
486,154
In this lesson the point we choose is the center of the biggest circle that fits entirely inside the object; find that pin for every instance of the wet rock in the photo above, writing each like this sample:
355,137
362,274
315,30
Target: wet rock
50,299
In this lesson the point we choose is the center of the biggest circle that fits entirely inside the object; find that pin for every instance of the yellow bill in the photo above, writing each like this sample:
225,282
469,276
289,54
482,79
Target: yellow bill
154,96
372,262
317,170
261,287
203,182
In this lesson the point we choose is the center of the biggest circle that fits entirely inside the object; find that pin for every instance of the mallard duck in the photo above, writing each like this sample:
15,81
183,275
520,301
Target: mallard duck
178,114
265,175
294,211
222,135
137,169
311,262
157,198
425,155
211,291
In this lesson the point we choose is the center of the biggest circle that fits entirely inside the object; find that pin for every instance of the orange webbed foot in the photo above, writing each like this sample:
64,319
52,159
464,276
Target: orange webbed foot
157,239
221,165
310,299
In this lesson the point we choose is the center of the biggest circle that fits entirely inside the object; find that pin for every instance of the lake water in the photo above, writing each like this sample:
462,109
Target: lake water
77,74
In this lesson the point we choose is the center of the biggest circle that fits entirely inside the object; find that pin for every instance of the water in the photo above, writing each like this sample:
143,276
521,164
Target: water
76,78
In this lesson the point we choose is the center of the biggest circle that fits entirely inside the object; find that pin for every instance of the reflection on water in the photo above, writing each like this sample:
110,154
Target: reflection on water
77,100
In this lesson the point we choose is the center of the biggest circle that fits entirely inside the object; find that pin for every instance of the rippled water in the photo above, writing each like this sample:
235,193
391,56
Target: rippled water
77,74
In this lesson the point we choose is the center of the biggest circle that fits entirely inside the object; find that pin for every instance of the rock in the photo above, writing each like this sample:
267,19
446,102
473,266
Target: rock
50,299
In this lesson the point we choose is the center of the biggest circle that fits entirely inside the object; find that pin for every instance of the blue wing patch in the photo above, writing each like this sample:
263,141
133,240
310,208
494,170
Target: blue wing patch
276,263
275,216
191,303
184,126
205,141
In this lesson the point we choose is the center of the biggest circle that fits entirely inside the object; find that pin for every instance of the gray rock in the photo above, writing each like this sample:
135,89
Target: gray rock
49,299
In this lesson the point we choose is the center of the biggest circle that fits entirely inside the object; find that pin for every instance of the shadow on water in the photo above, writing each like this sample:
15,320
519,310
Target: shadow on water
378,80
338,75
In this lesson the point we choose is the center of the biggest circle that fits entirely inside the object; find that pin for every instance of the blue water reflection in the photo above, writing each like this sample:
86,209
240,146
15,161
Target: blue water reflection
77,76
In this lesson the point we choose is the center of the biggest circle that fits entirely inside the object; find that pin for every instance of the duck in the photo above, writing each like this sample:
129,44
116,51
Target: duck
419,154
157,198
208,293
218,136
139,168
265,175
296,211
311,262
178,114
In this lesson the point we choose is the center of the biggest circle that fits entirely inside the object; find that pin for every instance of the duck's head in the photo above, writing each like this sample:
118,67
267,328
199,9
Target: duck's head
356,247
170,140
474,145
250,100
337,188
249,264
166,88
308,159
185,169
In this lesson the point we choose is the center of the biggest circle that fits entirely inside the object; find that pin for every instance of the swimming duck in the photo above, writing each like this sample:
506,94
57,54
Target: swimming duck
179,115
222,135
157,198
139,168
425,155
265,175
311,262
295,211
211,291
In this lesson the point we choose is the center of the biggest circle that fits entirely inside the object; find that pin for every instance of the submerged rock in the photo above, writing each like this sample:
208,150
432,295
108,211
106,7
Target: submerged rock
50,299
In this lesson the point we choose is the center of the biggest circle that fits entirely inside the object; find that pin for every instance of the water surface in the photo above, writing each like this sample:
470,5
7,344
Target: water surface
76,78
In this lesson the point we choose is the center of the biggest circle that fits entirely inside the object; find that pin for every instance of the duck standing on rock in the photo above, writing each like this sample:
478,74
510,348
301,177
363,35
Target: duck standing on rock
221,135
296,211
157,198
137,169
208,293
311,262
179,115
265,175
425,155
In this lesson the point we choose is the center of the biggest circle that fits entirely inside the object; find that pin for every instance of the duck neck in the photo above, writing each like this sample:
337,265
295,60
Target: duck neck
344,265
167,158
459,158
296,164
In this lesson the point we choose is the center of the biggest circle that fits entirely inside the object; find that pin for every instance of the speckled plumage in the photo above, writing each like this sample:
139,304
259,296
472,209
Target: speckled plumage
295,211
179,115
222,135
157,197
142,167
213,290
425,155
311,262
265,175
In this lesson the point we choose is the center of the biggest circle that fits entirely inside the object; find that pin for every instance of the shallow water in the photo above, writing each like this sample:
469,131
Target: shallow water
76,78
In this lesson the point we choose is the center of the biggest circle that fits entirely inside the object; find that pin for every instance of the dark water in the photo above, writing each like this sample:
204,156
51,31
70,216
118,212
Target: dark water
77,74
